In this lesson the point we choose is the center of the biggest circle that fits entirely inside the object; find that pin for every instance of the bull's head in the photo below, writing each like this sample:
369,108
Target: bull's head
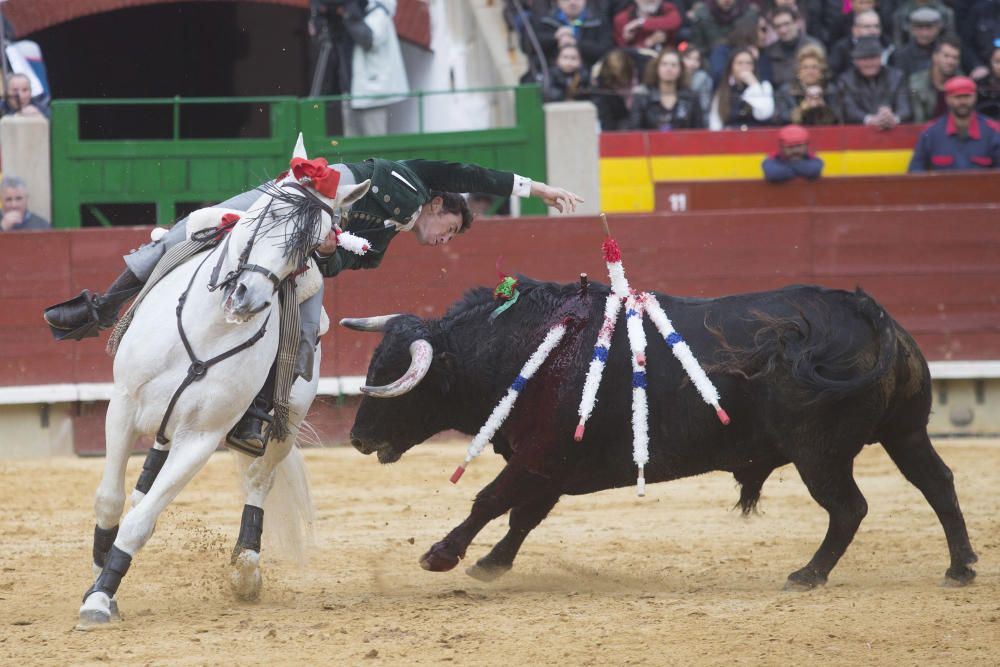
407,391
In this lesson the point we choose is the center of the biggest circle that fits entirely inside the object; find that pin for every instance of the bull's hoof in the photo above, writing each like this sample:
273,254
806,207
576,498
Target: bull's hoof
439,558
487,571
958,576
805,579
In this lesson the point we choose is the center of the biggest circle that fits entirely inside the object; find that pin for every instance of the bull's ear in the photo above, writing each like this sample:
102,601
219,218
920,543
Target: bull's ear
444,367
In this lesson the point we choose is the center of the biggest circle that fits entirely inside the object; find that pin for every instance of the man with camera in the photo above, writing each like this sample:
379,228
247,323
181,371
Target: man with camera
336,26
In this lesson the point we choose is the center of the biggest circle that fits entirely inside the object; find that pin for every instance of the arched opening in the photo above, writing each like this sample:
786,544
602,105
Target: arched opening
191,49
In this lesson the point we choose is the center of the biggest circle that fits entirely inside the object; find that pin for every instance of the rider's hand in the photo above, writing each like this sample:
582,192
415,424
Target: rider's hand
558,198
329,244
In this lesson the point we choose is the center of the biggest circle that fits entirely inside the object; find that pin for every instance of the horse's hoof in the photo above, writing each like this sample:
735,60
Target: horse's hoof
804,580
244,576
956,577
95,612
116,616
439,559
487,573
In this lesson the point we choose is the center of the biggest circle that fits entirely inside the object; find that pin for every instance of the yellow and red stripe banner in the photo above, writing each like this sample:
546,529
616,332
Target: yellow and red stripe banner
631,162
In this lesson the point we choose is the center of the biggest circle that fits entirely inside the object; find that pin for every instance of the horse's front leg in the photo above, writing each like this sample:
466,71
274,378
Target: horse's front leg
187,457
109,500
513,486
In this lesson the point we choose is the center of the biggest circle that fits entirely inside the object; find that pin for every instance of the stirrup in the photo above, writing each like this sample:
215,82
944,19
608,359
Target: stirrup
240,442
86,302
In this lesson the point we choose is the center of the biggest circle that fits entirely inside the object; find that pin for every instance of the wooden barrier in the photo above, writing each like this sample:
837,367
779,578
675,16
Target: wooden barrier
936,270
907,190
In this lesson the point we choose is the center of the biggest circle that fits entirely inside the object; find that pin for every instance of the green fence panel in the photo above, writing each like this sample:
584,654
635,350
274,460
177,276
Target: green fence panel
165,173
161,172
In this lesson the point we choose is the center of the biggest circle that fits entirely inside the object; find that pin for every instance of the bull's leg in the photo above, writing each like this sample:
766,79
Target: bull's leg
523,519
831,484
513,486
186,459
921,465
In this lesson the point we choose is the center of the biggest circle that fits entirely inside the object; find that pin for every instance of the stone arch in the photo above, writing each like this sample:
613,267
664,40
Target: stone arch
30,16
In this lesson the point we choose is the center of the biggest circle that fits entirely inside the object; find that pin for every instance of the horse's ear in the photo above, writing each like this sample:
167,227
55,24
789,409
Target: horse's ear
300,148
348,194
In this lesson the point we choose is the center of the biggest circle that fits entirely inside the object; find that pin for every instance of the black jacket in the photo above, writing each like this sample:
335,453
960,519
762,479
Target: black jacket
648,114
860,97
594,37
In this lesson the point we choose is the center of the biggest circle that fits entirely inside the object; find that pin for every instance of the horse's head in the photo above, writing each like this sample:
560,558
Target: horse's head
292,216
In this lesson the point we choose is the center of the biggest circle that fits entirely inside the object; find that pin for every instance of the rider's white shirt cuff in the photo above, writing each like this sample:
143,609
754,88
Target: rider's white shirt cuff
522,186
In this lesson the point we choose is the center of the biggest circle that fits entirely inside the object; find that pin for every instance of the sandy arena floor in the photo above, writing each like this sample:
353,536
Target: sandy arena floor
676,578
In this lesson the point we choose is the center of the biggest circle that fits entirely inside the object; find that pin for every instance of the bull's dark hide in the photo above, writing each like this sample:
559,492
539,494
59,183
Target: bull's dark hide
808,375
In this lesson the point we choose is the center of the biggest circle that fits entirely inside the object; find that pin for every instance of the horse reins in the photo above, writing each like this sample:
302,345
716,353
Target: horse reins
198,368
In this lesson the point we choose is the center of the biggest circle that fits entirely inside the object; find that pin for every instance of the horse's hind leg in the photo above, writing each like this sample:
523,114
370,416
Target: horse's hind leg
921,465
244,575
186,459
155,458
831,484
258,480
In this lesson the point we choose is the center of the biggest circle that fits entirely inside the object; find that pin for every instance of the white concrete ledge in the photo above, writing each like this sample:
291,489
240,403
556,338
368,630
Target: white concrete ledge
345,385
964,370
350,385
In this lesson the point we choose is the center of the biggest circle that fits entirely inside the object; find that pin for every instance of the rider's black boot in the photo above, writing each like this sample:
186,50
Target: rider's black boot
250,435
85,315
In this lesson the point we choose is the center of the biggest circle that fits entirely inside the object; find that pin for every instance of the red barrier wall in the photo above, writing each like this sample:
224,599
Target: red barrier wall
936,269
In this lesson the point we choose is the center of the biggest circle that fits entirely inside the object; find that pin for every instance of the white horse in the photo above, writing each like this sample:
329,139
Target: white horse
152,362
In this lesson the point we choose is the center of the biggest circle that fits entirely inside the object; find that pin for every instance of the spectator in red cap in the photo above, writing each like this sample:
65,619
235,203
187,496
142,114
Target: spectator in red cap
959,139
793,159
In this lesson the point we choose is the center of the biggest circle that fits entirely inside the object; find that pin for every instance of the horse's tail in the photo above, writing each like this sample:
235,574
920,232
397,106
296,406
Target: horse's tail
289,512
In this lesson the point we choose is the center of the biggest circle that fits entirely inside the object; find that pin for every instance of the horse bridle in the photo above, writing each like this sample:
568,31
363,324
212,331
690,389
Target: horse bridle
198,367
242,265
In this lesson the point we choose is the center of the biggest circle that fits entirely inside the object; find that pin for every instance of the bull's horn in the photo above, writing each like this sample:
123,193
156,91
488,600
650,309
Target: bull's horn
376,323
421,354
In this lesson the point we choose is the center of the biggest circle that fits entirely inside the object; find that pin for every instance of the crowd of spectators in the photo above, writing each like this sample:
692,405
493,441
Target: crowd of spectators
681,64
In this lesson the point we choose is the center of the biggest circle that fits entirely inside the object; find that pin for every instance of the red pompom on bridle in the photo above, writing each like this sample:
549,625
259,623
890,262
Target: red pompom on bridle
323,179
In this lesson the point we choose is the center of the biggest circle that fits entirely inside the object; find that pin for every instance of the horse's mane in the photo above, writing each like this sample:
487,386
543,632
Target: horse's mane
299,215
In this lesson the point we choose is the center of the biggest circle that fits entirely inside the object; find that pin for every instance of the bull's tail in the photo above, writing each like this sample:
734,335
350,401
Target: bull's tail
827,366
830,370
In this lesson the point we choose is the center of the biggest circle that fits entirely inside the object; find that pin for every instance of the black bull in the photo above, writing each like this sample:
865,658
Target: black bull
808,375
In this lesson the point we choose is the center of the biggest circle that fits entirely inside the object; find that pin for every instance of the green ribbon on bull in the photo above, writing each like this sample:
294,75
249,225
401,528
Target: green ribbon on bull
506,290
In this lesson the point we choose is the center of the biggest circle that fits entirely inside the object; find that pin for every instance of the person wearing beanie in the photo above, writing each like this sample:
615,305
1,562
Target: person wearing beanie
792,159
961,138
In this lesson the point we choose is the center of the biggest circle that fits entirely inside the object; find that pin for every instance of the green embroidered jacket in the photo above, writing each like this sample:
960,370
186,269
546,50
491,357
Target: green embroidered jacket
397,192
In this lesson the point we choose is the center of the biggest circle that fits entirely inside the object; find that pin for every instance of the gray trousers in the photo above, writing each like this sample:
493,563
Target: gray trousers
143,260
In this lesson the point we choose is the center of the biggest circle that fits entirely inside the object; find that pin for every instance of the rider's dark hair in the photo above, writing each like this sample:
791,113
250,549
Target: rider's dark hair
453,203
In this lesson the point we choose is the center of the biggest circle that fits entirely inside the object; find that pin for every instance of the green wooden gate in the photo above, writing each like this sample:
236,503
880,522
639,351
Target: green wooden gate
167,174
